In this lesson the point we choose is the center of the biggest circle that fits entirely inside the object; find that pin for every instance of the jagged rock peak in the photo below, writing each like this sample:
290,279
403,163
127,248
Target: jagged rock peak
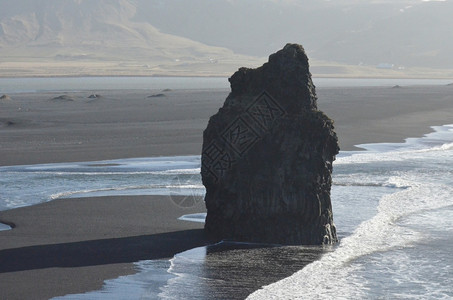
286,75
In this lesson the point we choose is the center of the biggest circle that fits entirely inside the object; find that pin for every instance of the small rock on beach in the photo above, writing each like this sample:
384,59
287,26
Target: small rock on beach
5,97
64,98
157,95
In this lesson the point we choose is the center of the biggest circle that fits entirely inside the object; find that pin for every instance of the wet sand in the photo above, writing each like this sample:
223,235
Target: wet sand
386,114
37,128
73,245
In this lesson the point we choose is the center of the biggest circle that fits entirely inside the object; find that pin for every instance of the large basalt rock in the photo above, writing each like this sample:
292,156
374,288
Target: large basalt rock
267,157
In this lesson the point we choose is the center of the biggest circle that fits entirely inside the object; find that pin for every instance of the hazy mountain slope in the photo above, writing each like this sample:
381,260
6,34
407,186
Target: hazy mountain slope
96,30
417,35
206,37
404,32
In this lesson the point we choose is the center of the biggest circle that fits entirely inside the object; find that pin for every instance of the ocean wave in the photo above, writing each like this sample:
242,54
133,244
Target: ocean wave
87,173
334,274
439,140
367,184
107,191
4,227
199,218
151,189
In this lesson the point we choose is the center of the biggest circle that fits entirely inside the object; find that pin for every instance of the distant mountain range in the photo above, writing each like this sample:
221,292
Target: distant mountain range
213,37
90,29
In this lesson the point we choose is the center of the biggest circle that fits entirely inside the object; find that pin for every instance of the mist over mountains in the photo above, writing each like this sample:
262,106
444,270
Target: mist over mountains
91,28
161,36
410,33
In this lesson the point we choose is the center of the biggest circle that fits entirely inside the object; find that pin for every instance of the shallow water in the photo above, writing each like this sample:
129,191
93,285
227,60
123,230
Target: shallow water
393,207
4,227
401,252
19,85
32,184
221,271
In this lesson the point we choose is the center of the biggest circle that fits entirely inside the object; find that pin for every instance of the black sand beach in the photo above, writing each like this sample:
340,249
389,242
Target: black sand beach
36,128
73,245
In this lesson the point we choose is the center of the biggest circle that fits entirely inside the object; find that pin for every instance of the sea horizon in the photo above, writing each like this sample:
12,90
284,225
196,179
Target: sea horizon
14,85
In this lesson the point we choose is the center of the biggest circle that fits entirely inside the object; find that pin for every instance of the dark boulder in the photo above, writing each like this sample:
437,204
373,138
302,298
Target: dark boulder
63,98
267,157
157,95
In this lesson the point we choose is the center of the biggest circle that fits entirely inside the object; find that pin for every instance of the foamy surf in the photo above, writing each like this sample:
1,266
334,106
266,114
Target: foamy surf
334,275
422,175
4,227
392,206
32,184
199,218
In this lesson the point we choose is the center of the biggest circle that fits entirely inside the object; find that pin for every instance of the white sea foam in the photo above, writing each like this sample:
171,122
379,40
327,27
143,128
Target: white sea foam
72,173
4,227
199,218
385,201
390,187
126,190
423,185
439,140
32,184
334,276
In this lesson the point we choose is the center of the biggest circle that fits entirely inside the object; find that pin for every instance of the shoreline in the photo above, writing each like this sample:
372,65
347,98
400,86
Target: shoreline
78,237
132,76
58,251
5,227
35,128
351,76
72,245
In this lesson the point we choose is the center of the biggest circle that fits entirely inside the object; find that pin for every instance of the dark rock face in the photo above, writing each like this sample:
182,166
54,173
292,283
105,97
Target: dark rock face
267,157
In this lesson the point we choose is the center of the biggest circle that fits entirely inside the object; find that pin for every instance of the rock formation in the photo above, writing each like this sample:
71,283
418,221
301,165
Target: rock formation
267,157
64,98
5,97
